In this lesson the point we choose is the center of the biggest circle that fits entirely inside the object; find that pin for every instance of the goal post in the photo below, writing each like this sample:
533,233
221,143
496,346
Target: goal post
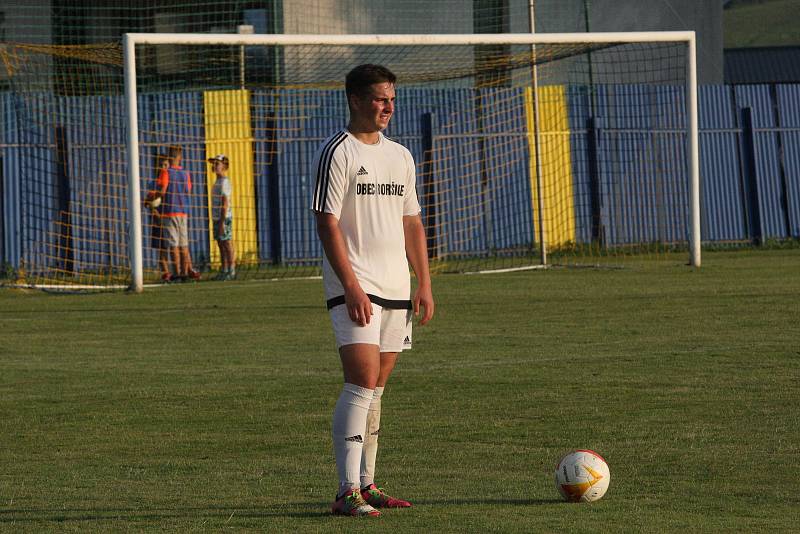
599,41
531,150
135,245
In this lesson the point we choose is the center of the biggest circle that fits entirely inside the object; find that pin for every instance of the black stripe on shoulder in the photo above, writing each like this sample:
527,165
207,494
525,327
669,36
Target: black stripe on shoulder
323,170
380,301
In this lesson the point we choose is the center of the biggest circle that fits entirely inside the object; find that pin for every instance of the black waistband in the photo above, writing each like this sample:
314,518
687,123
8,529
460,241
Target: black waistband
382,302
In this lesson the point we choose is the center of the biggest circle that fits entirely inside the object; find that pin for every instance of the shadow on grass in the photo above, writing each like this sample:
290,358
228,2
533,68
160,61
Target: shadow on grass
163,309
479,501
300,511
61,515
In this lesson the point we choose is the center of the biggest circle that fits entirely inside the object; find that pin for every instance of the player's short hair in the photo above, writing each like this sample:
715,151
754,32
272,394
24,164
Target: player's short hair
360,78
173,151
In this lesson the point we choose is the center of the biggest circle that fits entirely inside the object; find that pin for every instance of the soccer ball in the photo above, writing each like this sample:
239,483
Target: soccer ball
582,476
153,200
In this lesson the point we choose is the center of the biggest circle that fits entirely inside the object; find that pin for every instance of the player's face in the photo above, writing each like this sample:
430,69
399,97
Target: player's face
376,107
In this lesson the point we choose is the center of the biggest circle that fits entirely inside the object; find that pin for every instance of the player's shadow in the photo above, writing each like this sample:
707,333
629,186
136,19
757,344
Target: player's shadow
498,500
225,514
66,515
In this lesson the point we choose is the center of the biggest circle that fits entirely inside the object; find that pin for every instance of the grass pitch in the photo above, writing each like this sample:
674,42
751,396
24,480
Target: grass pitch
208,406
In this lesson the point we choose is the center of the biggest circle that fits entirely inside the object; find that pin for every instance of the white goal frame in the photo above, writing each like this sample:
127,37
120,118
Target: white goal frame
130,40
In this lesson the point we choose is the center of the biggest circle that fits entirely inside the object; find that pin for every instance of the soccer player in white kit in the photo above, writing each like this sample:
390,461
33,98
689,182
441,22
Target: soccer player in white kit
368,220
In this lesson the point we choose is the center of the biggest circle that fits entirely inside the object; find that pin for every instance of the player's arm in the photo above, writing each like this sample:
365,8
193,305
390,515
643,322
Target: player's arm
154,212
417,253
358,304
162,181
223,210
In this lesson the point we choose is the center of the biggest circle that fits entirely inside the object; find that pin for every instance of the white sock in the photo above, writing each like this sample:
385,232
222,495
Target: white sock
349,423
370,449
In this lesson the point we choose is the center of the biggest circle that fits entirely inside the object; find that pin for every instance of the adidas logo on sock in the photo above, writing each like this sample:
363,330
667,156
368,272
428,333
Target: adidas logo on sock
376,432
362,171
356,439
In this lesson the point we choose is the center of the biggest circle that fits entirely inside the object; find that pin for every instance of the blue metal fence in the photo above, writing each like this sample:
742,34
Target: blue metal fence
305,118
10,237
788,100
722,218
641,176
38,199
641,163
97,200
767,162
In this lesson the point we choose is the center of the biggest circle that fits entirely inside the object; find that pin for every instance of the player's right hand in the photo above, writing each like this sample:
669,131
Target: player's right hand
358,305
423,301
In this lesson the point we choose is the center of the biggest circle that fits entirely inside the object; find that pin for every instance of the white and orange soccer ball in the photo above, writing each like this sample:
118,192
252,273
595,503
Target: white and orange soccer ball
153,200
582,476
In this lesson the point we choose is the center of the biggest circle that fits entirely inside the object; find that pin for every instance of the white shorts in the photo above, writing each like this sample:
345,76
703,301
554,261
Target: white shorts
387,328
177,230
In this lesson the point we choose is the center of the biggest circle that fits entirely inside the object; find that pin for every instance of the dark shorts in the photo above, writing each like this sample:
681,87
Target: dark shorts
227,230
156,232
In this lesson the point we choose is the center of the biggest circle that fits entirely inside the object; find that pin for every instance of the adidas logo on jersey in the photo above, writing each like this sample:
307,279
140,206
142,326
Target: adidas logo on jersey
362,171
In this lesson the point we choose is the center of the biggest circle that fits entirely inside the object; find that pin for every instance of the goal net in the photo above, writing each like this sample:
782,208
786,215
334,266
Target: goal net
530,149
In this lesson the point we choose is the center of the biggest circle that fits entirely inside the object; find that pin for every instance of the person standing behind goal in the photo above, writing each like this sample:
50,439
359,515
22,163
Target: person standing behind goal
175,185
157,240
368,220
222,212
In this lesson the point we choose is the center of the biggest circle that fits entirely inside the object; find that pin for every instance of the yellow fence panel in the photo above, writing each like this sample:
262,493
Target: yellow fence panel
557,189
228,131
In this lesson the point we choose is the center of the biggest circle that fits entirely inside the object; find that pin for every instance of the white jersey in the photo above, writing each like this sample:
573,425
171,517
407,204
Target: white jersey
369,188
222,188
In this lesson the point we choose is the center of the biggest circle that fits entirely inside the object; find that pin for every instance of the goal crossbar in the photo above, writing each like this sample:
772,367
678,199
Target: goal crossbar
408,39
130,40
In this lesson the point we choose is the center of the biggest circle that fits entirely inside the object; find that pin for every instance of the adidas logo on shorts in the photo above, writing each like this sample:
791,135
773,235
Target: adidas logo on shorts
407,341
362,171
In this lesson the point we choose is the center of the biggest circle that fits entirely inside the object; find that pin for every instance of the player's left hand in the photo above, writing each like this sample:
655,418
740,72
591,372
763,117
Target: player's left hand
423,299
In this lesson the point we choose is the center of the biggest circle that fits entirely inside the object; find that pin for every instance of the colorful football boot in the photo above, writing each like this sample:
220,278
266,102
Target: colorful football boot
353,504
377,498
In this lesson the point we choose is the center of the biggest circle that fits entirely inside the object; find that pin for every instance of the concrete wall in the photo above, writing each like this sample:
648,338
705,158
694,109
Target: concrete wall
456,16
702,16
